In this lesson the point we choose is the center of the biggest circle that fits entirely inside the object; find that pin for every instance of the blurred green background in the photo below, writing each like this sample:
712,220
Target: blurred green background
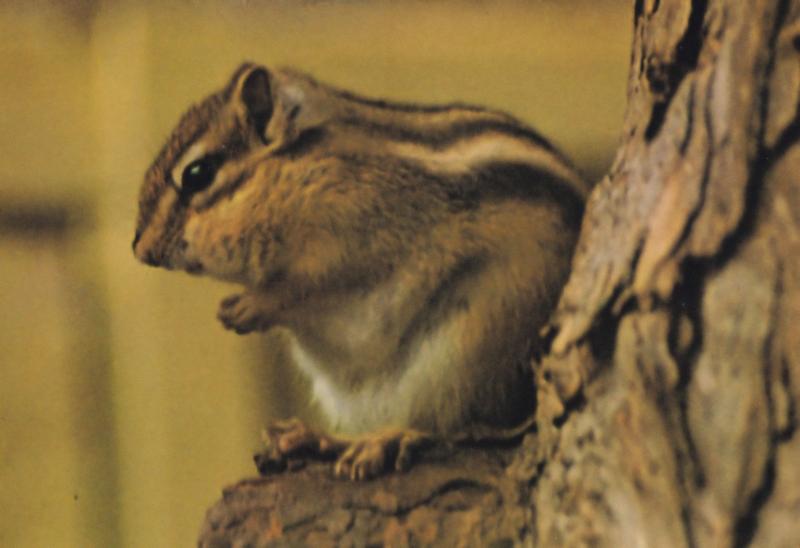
124,406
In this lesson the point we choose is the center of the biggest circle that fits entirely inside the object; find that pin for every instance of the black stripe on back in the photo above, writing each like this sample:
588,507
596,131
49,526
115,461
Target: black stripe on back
443,138
490,181
509,180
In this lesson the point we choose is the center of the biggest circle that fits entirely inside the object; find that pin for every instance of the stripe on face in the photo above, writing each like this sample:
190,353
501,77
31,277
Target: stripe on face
194,152
224,190
192,125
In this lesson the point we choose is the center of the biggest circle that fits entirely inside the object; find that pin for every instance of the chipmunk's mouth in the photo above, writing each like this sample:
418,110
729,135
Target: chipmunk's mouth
194,267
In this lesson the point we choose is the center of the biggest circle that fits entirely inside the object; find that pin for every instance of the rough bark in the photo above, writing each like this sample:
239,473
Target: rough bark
668,403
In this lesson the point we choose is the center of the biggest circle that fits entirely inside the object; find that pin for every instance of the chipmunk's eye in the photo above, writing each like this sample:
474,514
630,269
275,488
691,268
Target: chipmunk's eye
199,174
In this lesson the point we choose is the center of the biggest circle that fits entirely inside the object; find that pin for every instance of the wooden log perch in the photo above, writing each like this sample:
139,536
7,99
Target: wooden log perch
668,404
458,497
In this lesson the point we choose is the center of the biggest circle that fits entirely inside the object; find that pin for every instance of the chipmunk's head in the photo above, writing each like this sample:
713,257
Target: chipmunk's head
193,205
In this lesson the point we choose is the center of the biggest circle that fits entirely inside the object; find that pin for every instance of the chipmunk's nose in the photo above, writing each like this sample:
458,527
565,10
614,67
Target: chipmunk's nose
144,255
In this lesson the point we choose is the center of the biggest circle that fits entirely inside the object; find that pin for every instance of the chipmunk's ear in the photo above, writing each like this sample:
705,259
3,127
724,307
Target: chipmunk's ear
252,96
277,108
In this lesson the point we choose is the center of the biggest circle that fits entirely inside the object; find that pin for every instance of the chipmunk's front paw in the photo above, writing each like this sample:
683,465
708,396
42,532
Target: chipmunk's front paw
291,439
243,313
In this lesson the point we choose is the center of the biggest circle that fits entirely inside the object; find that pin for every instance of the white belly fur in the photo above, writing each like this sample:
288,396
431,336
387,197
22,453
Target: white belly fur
381,401
347,411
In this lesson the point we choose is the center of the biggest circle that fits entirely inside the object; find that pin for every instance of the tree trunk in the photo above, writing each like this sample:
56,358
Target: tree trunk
668,403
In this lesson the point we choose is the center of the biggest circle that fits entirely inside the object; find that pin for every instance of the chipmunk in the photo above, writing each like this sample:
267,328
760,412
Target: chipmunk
412,251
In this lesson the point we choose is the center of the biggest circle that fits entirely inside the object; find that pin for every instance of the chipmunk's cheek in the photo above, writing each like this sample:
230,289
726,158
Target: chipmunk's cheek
210,250
190,255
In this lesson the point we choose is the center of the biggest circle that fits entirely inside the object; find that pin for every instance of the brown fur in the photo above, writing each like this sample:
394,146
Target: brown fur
413,288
